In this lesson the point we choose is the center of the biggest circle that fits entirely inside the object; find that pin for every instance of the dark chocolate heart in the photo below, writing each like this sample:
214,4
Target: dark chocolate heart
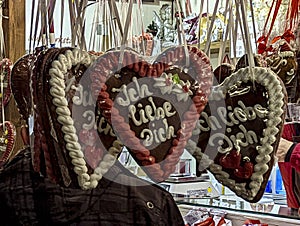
20,85
152,107
244,113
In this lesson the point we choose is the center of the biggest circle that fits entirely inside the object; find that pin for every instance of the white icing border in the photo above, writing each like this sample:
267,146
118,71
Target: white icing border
57,89
270,81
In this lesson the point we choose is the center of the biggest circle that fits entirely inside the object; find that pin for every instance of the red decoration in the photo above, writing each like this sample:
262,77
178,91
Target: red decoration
231,160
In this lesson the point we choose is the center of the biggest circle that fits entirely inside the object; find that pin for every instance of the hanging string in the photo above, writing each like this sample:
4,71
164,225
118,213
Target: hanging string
228,9
278,3
188,7
114,21
212,23
37,18
140,13
31,25
186,51
95,24
240,25
126,31
80,23
263,40
62,12
248,46
253,21
51,8
44,23
234,34
294,13
72,23
115,14
199,25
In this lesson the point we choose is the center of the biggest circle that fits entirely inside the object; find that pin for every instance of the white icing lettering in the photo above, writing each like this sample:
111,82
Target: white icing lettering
157,136
90,116
132,94
105,128
82,97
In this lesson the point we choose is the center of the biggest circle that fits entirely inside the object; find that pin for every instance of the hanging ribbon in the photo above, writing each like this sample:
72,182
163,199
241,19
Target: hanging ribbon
199,25
210,29
94,29
288,35
51,8
253,21
44,33
126,31
228,9
62,21
292,15
263,40
247,42
187,55
31,26
188,8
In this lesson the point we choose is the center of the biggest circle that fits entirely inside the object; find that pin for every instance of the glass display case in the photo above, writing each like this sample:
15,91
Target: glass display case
271,209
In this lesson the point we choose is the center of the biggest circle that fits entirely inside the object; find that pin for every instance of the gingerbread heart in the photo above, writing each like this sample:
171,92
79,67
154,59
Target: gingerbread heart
20,85
152,107
245,115
5,66
73,120
7,141
284,64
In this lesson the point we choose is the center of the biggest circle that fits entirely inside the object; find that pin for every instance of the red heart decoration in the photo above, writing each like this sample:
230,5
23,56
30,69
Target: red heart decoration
231,160
88,137
245,171
7,141
94,155
246,114
152,107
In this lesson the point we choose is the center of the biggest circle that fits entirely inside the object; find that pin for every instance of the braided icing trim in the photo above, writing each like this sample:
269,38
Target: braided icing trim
58,71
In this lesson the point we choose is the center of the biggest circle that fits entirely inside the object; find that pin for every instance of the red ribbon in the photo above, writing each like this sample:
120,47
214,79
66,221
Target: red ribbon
288,35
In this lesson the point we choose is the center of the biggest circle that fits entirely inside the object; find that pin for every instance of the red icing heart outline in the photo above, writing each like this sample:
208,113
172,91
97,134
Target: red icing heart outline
101,72
8,141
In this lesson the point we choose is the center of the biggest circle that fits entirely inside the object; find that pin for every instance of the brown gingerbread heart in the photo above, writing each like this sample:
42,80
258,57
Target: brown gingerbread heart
5,68
7,141
153,107
238,131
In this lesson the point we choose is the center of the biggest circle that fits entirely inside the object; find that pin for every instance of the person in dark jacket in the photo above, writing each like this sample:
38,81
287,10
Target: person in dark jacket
28,198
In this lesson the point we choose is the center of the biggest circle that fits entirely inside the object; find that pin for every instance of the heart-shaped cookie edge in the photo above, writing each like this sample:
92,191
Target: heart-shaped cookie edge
276,92
204,77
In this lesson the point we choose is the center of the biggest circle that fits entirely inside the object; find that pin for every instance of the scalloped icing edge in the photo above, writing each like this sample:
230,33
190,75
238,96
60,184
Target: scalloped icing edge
270,81
57,72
